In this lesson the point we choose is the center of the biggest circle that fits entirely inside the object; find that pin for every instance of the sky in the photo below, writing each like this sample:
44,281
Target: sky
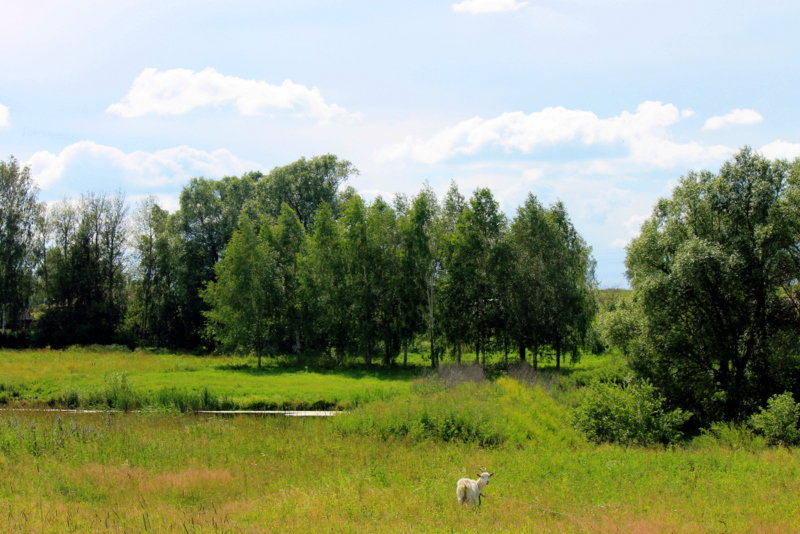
600,104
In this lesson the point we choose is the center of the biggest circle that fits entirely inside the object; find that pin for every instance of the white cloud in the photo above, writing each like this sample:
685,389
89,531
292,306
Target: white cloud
644,132
487,6
178,91
146,169
4,120
736,116
780,150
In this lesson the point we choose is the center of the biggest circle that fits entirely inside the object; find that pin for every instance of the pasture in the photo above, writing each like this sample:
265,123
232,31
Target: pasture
388,466
87,379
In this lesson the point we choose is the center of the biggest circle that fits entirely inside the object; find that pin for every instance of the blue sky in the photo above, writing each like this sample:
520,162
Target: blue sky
602,104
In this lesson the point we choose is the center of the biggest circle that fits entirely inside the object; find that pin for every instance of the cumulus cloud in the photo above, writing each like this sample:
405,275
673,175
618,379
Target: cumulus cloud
487,6
178,91
4,120
736,116
780,150
148,169
644,132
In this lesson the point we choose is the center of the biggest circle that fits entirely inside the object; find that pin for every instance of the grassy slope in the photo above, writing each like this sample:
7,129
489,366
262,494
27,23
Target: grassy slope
44,376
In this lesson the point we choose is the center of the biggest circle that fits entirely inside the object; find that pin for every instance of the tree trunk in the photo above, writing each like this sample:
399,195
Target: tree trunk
521,349
405,354
535,352
558,355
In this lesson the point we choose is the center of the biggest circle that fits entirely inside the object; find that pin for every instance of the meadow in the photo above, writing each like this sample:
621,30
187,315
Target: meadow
81,378
388,465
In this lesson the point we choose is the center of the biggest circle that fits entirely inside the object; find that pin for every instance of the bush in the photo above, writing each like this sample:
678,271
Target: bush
778,421
630,414
14,340
728,435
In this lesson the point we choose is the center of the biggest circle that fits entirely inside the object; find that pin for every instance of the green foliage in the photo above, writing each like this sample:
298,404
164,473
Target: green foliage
20,219
778,421
84,282
727,435
247,298
620,324
305,186
715,271
550,286
633,414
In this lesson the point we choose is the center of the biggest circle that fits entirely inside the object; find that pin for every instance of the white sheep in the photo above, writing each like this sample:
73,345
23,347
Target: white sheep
469,491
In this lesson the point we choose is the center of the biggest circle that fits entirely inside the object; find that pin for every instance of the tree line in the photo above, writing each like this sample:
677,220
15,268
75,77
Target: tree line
293,262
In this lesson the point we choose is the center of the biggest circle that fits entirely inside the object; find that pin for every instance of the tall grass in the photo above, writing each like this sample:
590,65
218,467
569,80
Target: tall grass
170,473
488,414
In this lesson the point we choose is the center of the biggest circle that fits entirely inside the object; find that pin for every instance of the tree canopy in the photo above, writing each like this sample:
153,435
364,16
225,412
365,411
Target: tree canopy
715,271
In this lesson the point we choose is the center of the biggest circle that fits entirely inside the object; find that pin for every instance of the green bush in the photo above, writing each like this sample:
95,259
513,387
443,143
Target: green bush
778,421
728,435
630,414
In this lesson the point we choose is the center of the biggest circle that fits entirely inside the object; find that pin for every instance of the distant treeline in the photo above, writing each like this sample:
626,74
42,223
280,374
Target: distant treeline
293,262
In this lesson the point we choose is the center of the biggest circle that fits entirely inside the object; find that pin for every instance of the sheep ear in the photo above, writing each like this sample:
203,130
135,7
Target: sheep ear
491,474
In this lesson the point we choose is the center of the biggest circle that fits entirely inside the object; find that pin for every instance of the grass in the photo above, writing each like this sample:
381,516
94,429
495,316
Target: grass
389,466
91,378
174,473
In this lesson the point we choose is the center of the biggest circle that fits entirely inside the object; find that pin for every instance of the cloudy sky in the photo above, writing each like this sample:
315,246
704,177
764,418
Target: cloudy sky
602,104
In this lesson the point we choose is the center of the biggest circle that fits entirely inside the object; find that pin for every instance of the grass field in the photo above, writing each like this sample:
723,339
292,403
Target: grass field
390,465
55,377
178,473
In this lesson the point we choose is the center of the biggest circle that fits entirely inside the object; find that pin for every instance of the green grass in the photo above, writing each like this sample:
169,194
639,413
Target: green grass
79,378
179,473
389,466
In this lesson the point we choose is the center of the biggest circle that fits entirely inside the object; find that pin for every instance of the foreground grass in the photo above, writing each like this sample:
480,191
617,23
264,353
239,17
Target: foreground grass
75,378
178,473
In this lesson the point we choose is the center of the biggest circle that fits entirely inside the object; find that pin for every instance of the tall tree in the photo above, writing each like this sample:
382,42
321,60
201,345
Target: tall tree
385,277
83,272
245,300
19,211
154,301
570,285
447,277
530,245
305,186
715,272
286,238
472,298
208,215
419,270
324,302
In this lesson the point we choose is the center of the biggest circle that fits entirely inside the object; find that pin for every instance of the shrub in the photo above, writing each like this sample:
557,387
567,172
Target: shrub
728,435
630,414
778,421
